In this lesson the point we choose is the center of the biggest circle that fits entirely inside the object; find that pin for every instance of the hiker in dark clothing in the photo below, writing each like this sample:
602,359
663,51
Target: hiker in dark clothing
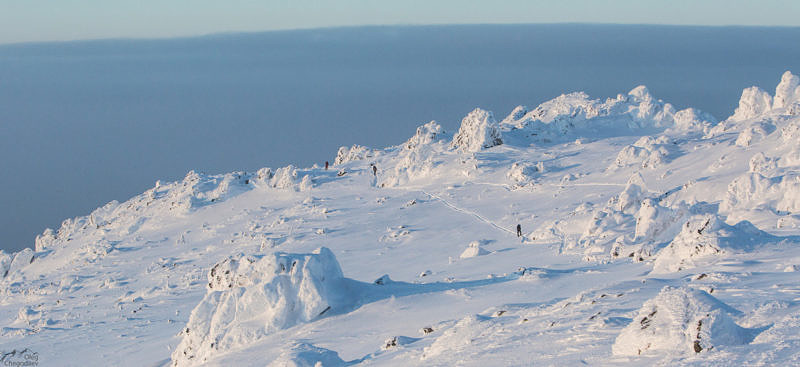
326,165
374,170
519,230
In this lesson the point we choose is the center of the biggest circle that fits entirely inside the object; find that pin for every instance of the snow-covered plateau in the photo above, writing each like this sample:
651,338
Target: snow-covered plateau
649,236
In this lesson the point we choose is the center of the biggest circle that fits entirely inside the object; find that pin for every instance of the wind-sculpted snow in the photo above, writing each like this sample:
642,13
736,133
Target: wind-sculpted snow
684,321
174,199
705,238
616,199
754,191
418,157
354,153
575,115
478,131
647,152
249,297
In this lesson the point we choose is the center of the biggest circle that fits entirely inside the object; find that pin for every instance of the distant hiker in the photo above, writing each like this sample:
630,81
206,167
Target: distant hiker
374,170
326,165
519,230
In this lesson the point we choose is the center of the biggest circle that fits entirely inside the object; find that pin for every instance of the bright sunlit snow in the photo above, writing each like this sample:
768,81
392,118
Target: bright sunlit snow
649,235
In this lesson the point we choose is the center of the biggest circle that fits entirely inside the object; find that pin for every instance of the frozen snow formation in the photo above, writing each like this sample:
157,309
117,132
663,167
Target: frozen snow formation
754,191
354,153
523,173
574,114
172,199
417,157
756,104
250,297
647,152
683,321
478,131
617,198
705,236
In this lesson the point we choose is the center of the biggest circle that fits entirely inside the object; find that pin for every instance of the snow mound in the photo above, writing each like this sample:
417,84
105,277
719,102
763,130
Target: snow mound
307,355
523,173
647,152
753,191
478,131
250,297
683,321
705,237
354,153
474,249
754,133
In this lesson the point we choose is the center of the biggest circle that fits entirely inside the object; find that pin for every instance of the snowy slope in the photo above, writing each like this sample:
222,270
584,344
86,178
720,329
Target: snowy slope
650,236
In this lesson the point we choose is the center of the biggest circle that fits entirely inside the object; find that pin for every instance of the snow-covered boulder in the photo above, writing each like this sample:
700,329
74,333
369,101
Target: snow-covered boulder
478,131
250,297
474,249
523,173
647,152
682,321
704,238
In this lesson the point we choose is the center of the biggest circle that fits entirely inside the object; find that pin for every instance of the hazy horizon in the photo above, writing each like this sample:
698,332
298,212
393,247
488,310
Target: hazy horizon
86,122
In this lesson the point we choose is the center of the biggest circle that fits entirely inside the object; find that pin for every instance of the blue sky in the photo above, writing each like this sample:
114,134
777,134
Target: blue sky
47,20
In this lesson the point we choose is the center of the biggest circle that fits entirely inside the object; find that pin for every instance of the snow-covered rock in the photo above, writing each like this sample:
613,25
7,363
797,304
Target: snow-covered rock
683,321
704,238
523,173
478,131
647,152
250,297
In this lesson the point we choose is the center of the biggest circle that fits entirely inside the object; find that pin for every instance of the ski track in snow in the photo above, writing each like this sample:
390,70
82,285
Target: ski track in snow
468,212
